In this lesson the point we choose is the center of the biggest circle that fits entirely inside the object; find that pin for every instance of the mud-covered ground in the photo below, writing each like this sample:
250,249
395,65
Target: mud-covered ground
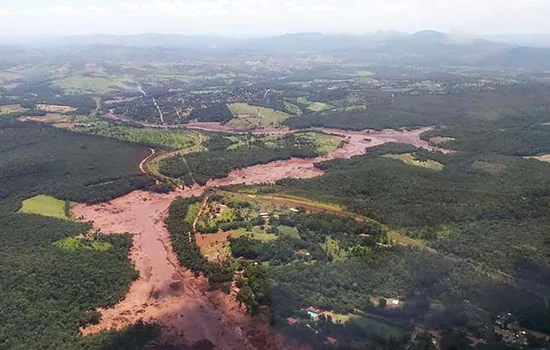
171,295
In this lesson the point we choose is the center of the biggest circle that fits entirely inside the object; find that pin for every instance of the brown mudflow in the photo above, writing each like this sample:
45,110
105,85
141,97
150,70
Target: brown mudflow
188,310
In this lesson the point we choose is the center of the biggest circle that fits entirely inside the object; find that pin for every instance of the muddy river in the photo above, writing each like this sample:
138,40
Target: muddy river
188,310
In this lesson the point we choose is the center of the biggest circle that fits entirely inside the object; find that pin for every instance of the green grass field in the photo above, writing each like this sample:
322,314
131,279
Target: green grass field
377,326
325,143
313,105
6,109
90,84
192,212
333,249
247,116
289,231
44,205
410,159
292,108
150,136
256,233
75,243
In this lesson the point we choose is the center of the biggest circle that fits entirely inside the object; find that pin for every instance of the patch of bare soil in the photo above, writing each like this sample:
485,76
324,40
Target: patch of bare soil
543,158
214,246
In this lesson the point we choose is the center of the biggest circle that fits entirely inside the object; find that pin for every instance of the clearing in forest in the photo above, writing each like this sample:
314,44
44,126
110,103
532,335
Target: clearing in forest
542,158
91,84
57,120
325,143
7,109
489,167
410,159
168,139
438,140
45,205
314,106
56,108
250,117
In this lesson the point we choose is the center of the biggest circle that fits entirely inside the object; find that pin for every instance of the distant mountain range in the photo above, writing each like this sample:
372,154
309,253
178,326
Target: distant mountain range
421,48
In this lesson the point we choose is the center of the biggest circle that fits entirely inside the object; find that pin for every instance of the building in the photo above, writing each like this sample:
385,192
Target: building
331,341
291,320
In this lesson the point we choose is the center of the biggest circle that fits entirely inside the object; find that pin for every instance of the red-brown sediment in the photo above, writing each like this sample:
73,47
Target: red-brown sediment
167,293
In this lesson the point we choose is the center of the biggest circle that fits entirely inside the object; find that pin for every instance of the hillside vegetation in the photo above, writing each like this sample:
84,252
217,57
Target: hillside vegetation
52,282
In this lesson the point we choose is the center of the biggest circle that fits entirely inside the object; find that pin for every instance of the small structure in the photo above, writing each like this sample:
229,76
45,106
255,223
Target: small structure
294,210
291,320
331,341
313,313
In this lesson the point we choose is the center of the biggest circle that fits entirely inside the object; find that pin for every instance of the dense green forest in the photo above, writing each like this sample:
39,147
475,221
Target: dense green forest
36,159
483,217
51,287
49,292
220,160
466,109
185,246
217,112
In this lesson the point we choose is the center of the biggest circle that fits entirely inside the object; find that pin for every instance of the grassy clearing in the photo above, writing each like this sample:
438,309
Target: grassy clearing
289,231
56,108
438,140
399,238
542,158
410,159
313,105
89,84
292,108
170,139
73,244
377,326
192,212
325,143
44,205
294,201
7,109
247,116
333,249
488,167
56,119
256,233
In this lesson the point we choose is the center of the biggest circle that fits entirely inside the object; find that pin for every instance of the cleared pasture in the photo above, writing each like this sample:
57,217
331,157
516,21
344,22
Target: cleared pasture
410,159
56,108
247,116
314,106
7,109
44,205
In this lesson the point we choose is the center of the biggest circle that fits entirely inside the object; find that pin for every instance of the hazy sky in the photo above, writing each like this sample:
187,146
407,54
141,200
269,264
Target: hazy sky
259,17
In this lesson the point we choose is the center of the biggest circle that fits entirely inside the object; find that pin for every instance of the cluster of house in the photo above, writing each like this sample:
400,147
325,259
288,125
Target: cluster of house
313,314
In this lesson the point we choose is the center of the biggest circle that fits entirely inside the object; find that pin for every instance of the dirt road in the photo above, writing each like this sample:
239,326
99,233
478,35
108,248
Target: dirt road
142,163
